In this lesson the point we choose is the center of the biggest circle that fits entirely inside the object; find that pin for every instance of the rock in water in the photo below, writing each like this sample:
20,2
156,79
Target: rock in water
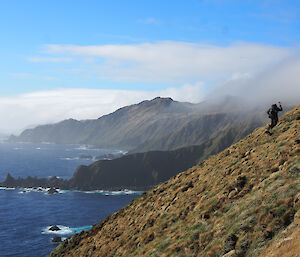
56,239
54,228
52,190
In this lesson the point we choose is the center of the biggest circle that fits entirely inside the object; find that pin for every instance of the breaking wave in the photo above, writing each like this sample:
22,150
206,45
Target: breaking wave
112,193
70,158
61,191
7,188
64,230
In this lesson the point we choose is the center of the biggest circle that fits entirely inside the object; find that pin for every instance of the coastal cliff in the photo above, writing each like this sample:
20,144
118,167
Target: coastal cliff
142,171
138,171
243,201
158,124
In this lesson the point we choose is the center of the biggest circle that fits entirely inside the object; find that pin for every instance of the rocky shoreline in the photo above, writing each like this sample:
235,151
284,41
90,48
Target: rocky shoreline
54,184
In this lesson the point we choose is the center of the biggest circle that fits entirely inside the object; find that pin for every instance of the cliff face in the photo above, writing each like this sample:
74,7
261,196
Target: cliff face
243,201
144,170
142,126
139,171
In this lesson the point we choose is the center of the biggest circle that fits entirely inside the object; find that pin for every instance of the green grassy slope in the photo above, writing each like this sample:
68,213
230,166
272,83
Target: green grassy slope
240,202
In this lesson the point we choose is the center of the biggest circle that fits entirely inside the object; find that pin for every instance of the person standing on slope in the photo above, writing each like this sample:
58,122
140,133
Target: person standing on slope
273,115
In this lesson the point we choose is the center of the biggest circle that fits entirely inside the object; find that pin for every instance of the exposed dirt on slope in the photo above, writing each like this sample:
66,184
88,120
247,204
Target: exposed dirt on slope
243,201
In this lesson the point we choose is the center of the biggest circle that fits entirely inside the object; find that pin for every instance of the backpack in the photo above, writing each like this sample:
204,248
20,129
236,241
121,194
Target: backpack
272,111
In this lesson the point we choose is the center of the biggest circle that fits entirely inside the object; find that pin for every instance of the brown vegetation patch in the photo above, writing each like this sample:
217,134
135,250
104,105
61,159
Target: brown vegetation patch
244,201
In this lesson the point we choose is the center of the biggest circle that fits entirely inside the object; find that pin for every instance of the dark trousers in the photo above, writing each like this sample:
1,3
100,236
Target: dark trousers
274,121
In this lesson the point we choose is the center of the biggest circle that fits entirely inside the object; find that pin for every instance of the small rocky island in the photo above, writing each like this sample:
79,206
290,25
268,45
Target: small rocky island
52,191
56,239
54,228
52,183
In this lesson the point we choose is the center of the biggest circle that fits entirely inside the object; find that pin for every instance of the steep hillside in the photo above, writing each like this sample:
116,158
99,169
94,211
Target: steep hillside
144,170
138,171
243,201
206,128
159,120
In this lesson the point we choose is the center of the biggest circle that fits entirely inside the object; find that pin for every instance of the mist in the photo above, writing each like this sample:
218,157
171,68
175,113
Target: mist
280,82
29,110
260,81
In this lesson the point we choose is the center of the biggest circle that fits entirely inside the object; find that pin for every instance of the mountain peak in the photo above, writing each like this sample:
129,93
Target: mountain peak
161,101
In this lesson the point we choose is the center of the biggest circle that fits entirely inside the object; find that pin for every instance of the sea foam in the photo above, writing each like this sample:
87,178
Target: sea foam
64,230
114,193
7,188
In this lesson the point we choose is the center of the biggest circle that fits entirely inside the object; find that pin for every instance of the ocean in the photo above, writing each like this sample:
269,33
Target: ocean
27,214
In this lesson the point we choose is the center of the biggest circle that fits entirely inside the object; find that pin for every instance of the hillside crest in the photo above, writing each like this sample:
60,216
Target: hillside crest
157,124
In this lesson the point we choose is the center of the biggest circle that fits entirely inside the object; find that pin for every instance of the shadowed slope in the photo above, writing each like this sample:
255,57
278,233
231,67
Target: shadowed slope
141,171
238,203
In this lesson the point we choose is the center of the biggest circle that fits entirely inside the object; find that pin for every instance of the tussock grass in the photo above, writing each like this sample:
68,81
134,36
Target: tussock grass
248,193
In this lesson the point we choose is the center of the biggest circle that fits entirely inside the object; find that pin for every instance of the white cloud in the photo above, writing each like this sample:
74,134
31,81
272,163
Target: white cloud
48,78
22,75
257,72
42,107
177,62
278,82
150,20
31,76
49,59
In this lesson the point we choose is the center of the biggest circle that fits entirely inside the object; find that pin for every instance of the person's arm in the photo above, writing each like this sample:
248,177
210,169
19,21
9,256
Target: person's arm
280,107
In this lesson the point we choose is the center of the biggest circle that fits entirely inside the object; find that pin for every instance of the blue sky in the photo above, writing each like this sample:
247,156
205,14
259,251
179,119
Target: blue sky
136,49
27,26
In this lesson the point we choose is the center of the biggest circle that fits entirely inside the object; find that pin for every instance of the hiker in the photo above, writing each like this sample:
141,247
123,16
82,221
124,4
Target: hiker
273,114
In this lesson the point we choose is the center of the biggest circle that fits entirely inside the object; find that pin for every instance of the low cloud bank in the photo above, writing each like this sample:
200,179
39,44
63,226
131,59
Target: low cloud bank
27,110
280,82
175,62
259,74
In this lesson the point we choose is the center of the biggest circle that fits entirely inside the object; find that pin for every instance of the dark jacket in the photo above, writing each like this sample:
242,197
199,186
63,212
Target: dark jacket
273,111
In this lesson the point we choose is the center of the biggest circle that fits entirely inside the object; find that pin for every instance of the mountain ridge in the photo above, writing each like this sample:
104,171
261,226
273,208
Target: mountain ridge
145,124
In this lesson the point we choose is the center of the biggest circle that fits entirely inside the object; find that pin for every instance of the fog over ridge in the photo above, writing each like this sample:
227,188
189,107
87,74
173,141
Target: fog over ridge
280,82
276,80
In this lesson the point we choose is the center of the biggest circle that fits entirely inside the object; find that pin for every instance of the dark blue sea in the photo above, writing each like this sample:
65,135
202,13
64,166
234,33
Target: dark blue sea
27,214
